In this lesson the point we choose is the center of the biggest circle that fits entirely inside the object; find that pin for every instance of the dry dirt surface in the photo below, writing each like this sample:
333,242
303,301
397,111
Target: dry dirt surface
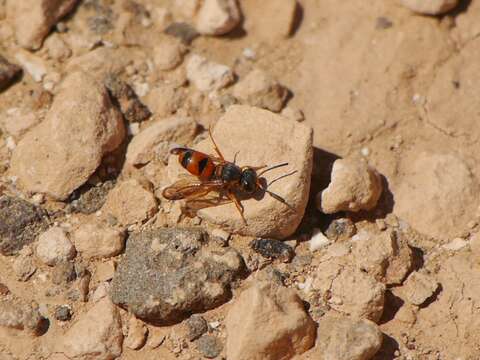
364,246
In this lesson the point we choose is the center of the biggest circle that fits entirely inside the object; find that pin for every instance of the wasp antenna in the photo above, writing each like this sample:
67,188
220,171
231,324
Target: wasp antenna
271,168
279,198
281,177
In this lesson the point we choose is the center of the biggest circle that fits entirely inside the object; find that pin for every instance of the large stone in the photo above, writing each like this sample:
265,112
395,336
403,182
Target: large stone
34,20
430,7
54,246
155,140
166,275
20,222
268,321
217,17
96,335
61,153
263,138
418,288
441,188
15,315
346,338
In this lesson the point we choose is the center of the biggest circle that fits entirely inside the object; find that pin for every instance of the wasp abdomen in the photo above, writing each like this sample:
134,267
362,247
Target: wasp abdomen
196,162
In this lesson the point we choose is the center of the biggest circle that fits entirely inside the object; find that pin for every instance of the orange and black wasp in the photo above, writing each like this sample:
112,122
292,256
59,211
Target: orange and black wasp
215,174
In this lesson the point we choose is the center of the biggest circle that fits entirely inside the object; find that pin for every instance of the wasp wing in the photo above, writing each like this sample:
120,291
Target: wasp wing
191,188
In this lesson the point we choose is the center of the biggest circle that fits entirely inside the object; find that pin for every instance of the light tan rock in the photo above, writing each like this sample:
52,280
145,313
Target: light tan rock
61,153
164,99
384,254
18,316
268,321
217,17
34,65
97,240
96,335
354,187
430,7
207,75
155,140
17,122
418,287
137,334
33,20
441,188
261,90
130,202
168,54
56,48
269,20
54,246
274,140
346,338
351,291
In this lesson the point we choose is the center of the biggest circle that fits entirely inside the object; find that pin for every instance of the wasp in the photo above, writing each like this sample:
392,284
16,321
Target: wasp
215,174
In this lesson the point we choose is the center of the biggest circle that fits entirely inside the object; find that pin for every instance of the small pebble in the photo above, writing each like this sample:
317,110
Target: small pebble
456,244
273,249
340,229
183,31
210,346
63,313
197,326
249,53
383,23
318,240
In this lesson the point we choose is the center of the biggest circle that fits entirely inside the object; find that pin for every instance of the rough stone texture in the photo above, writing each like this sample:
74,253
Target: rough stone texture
165,99
197,326
92,199
168,54
166,275
61,153
137,334
130,105
8,72
209,346
207,75
19,316
274,141
354,187
261,90
269,20
130,202
345,338
155,140
217,17
430,7
273,249
20,222
96,335
441,188
33,65
17,122
183,31
34,20
63,313
384,255
24,266
97,240
338,281
54,246
418,287
341,229
268,321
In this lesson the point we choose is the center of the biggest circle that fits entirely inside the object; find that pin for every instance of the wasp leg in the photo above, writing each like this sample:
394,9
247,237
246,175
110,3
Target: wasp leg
215,144
238,205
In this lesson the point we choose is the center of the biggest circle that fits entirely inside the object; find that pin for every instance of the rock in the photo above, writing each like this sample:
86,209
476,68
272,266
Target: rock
130,105
8,72
130,202
97,240
63,313
288,332
32,64
24,267
63,273
430,7
167,275
384,255
61,153
293,114
104,271
80,288
341,229
33,21
97,334
207,75
261,90
456,244
4,290
341,338
92,199
418,288
269,20
441,188
17,122
354,187
157,139
54,246
183,31
217,17
197,326
273,249
220,236
165,99
168,54
209,346
350,290
18,316
20,222
137,334
318,240
56,48
274,141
